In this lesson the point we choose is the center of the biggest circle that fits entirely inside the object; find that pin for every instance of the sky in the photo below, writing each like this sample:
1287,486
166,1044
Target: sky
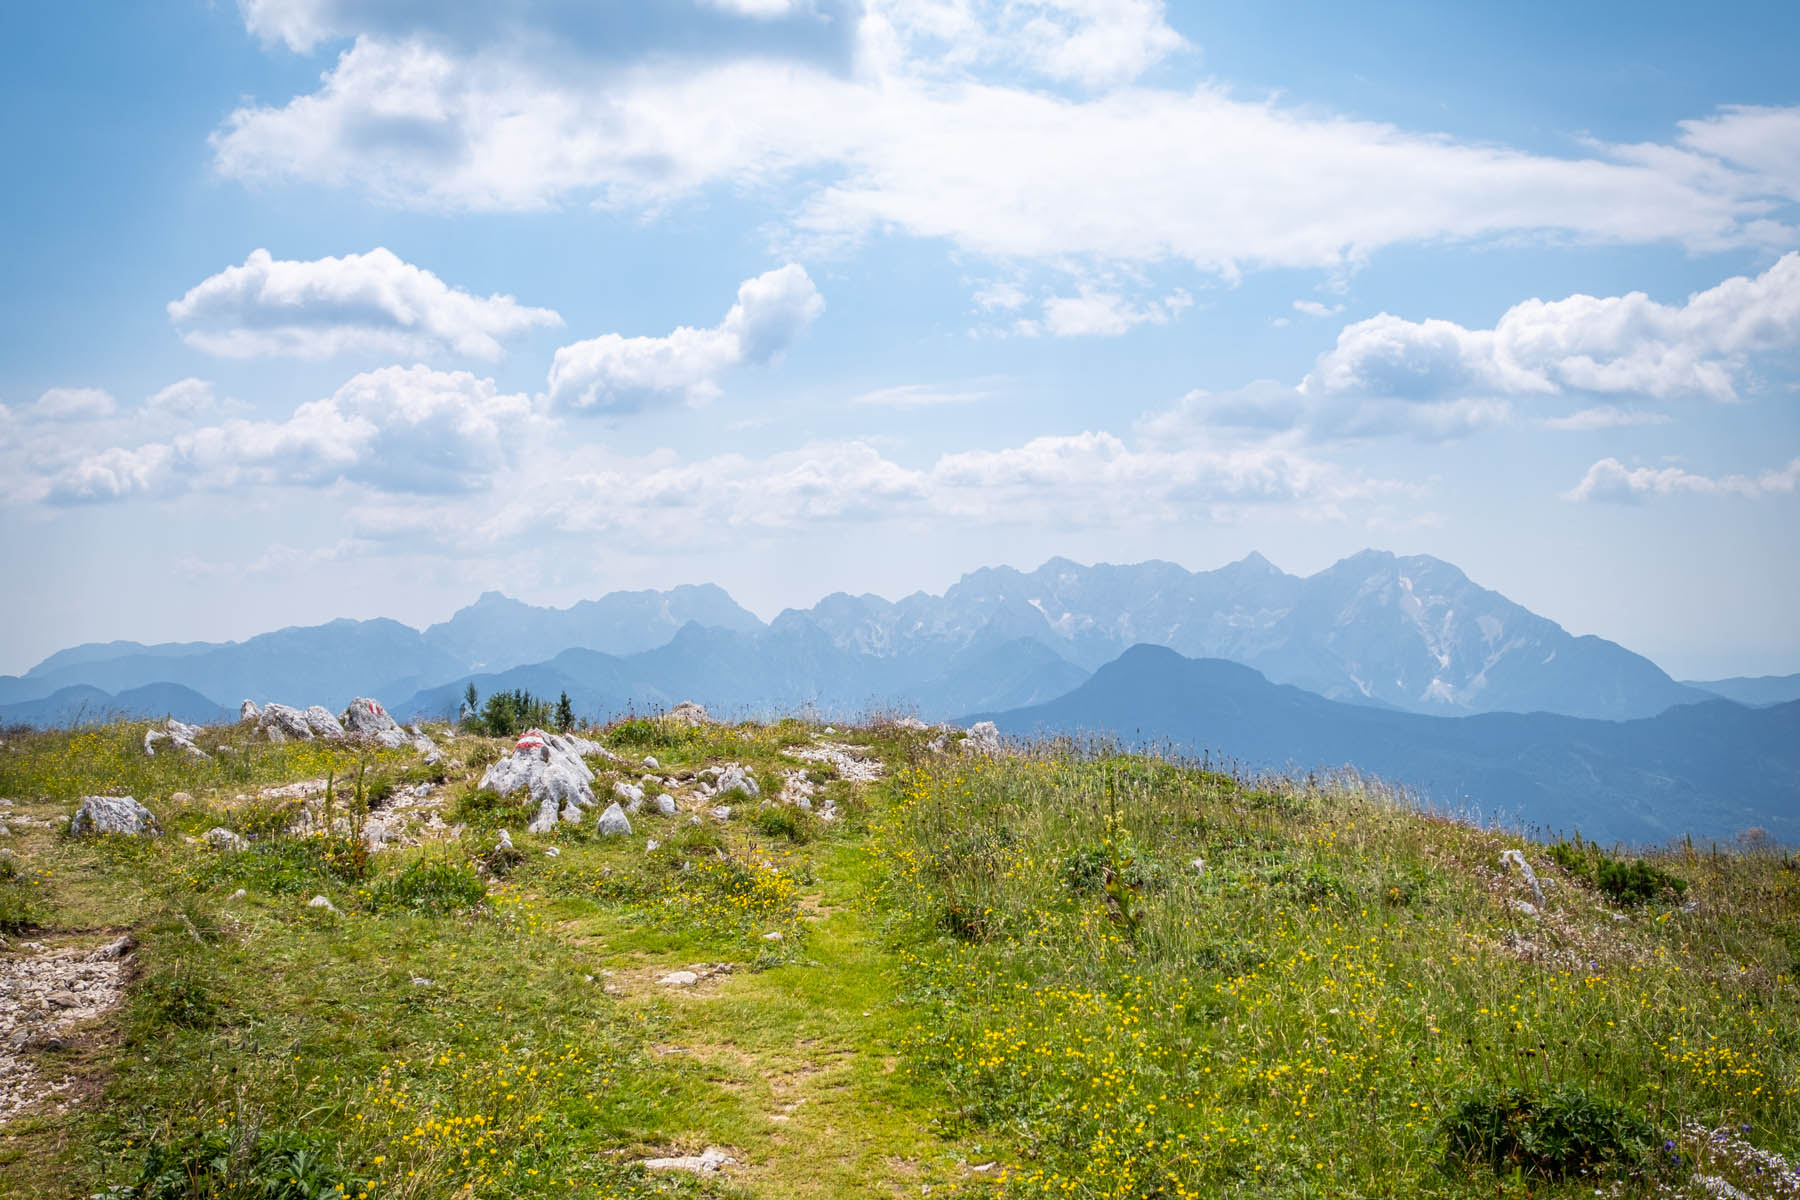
322,308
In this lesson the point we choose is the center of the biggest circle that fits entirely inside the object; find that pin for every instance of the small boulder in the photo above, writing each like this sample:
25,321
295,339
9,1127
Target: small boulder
113,814
665,804
735,777
223,839
614,822
322,902
983,738
688,714
629,794
550,769
248,713
650,761
279,724
679,979
322,723
1516,858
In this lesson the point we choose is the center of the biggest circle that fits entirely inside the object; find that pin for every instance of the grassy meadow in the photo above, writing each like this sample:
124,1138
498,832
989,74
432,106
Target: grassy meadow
1056,972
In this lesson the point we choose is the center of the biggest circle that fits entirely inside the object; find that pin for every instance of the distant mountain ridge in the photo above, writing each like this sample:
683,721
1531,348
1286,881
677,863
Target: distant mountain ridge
1409,633
1757,691
1712,769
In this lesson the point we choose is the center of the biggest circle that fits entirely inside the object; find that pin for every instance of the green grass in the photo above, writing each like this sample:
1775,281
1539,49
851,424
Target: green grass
1104,976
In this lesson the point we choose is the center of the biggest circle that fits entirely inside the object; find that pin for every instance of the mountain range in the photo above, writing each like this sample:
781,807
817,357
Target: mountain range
1408,633
1711,770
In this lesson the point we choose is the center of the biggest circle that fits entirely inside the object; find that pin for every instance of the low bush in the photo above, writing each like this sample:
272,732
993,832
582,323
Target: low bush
430,886
1556,1135
243,1163
1628,883
783,821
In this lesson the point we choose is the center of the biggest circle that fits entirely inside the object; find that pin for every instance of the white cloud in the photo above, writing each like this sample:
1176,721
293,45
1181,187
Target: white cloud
925,144
1605,416
74,404
1097,313
1002,297
1611,480
185,399
760,9
1313,308
1621,345
398,429
1765,141
372,303
623,374
915,395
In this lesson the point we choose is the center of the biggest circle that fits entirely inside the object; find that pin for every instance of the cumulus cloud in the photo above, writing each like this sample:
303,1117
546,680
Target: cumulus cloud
1605,416
1620,344
1094,312
1765,141
1611,480
372,303
1313,308
399,429
74,404
623,374
916,395
933,134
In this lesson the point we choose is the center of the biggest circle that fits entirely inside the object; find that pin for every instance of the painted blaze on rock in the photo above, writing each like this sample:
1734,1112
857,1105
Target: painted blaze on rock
550,769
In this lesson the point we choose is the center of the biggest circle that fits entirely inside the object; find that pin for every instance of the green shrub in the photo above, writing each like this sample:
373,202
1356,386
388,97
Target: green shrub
783,821
178,993
244,1163
1628,883
287,864
430,886
508,714
485,807
19,907
1564,1133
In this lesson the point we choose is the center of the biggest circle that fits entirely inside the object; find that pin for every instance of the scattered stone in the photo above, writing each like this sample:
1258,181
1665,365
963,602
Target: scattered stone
688,714
420,981
651,845
1516,858
505,842
723,812
248,713
774,935
706,1163
113,814
44,997
552,852
831,729
734,777
665,804
224,840
239,894
911,723
1523,907
1198,866
679,979
630,794
650,761
322,902
614,822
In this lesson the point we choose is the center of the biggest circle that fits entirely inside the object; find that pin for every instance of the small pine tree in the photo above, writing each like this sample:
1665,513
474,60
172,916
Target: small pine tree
565,714
470,699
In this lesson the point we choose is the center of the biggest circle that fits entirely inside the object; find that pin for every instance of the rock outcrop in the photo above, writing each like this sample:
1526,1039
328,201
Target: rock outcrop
178,734
113,814
550,769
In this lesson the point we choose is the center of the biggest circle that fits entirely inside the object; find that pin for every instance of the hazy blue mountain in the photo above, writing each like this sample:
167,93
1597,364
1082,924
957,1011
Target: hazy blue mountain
1411,633
82,704
1711,769
319,664
497,632
1758,691
791,666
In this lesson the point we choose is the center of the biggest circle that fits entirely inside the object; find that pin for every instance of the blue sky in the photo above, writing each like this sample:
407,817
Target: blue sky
358,308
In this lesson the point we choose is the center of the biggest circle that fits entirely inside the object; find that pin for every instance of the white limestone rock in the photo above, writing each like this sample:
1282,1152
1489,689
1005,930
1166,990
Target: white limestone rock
249,713
1516,858
113,814
983,738
688,714
614,822
665,804
628,794
735,777
224,840
323,724
279,724
551,771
